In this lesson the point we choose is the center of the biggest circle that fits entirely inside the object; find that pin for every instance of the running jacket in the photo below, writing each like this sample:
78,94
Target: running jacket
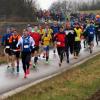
13,40
90,31
70,37
36,37
26,44
55,29
46,39
41,31
78,33
5,39
60,39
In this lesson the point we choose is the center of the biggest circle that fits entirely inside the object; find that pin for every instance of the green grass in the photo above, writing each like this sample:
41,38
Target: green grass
76,84
2,56
3,60
91,11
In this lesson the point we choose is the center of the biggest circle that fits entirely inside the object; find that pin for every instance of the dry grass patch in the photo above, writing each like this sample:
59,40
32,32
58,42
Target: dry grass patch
76,84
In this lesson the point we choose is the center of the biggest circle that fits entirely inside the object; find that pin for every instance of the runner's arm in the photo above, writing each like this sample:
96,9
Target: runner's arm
32,42
19,42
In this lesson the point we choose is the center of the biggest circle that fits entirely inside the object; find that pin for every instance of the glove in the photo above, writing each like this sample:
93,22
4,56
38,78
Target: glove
32,47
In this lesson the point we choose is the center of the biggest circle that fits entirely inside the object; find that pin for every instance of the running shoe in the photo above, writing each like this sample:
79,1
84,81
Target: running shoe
25,75
34,65
68,61
28,71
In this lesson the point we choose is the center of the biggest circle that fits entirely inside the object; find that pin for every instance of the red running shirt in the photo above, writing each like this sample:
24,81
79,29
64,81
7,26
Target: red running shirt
36,36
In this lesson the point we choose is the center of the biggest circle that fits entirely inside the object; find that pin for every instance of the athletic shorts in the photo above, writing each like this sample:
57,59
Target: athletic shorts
35,49
53,38
90,39
16,53
77,46
7,51
46,48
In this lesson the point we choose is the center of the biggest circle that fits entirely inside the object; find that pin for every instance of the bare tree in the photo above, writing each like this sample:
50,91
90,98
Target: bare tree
17,8
90,5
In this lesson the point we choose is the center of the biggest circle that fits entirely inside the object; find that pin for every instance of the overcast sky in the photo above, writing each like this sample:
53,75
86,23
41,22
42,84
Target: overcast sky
45,4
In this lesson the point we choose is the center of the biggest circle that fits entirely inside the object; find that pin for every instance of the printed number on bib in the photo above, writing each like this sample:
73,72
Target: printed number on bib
58,43
91,32
7,47
26,46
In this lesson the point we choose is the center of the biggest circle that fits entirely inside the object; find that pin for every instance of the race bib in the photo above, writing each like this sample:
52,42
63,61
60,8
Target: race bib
14,50
26,46
66,32
91,32
99,30
7,47
14,40
58,43
77,39
69,31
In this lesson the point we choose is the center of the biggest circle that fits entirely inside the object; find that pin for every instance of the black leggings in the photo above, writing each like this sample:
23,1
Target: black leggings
97,37
69,49
26,57
77,47
61,51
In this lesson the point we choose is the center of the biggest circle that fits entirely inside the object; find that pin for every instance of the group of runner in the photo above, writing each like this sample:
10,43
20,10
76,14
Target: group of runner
37,39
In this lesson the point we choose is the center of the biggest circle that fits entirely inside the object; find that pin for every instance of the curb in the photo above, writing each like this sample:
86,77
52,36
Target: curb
22,88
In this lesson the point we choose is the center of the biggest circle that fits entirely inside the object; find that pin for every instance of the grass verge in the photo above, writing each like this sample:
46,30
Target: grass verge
91,11
2,60
76,84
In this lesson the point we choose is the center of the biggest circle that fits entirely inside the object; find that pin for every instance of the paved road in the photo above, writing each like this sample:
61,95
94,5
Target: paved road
9,81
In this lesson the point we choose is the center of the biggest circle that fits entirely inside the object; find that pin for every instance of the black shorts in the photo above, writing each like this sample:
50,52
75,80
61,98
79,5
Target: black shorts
8,51
35,49
77,46
26,57
90,39
16,53
60,50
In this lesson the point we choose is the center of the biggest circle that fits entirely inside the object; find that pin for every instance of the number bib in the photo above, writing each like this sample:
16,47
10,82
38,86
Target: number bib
91,32
7,47
58,43
26,46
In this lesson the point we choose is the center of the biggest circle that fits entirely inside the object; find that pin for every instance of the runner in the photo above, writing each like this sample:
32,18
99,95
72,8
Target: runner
46,41
41,30
60,42
97,25
5,42
85,34
69,42
55,29
37,38
90,30
77,42
27,44
15,52
29,28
